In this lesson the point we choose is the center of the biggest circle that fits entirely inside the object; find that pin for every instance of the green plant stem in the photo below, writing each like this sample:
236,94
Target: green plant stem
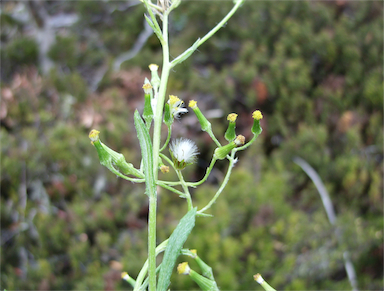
158,119
168,139
139,280
189,184
169,162
246,145
157,136
221,23
161,184
194,184
232,162
186,190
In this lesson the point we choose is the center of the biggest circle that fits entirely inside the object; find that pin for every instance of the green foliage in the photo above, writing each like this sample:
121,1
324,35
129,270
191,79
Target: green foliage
18,53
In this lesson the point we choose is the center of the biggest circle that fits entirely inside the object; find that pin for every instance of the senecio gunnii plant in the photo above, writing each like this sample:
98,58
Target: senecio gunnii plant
183,152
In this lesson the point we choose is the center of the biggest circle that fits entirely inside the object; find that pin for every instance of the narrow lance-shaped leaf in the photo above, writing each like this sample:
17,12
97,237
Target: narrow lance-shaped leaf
146,152
175,243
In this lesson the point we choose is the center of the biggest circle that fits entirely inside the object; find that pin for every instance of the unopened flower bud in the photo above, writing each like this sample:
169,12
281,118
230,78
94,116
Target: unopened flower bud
206,270
164,169
94,135
147,112
128,278
204,123
109,158
155,80
147,87
263,283
183,269
230,134
256,128
204,283
240,140
222,152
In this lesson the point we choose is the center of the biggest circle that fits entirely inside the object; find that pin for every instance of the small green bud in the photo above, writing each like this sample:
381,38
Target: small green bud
206,270
128,278
155,80
263,283
205,124
109,158
204,283
256,128
222,152
147,112
230,134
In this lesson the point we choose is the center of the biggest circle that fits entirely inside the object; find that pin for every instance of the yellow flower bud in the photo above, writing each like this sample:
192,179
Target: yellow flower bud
257,115
147,88
164,169
183,268
153,67
192,104
232,117
94,135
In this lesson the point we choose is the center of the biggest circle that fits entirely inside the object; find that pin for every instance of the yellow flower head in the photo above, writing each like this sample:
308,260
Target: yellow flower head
153,67
147,88
173,100
94,135
194,252
183,268
257,115
192,104
175,106
232,117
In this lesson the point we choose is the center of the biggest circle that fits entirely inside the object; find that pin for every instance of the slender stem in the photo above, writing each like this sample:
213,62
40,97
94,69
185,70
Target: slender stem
168,139
185,188
206,175
171,189
156,150
161,97
246,145
168,161
214,139
221,23
152,241
139,280
232,162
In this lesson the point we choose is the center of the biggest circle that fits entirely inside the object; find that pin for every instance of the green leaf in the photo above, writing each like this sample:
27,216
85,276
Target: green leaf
172,251
146,152
185,55
154,28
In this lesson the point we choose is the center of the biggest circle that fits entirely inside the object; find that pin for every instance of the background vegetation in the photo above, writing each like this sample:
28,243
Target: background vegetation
313,68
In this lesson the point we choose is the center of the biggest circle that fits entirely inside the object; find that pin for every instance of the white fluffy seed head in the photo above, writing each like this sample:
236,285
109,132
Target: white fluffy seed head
184,150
